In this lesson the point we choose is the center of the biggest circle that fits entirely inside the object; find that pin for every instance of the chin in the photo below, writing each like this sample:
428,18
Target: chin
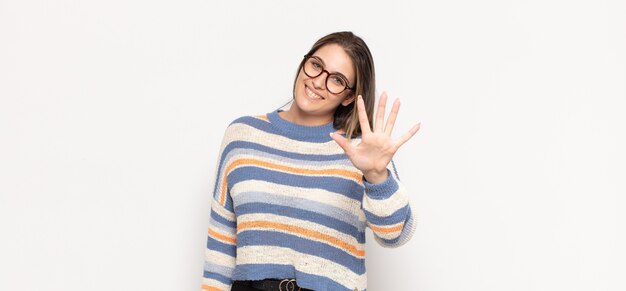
304,103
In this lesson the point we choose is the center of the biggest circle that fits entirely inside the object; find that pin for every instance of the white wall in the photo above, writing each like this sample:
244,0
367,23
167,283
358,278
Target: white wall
111,115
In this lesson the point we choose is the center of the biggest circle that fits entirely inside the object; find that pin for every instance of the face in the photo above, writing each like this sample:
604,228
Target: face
312,96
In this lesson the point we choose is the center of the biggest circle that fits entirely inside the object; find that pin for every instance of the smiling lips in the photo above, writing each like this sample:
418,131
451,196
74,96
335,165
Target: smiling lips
311,94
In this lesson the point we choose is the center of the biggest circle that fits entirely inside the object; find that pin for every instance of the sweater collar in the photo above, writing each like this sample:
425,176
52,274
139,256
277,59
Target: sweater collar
295,129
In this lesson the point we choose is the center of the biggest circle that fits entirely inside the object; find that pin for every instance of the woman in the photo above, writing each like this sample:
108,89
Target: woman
295,190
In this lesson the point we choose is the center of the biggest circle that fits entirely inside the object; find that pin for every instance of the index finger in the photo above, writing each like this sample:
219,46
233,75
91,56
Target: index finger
363,121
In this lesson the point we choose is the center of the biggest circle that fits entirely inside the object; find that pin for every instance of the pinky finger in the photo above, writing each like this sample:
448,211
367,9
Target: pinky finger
405,137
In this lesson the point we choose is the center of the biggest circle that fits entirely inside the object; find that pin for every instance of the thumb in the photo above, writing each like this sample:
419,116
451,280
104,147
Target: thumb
342,142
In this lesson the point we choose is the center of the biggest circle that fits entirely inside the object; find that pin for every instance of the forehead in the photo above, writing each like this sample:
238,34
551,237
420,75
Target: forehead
336,60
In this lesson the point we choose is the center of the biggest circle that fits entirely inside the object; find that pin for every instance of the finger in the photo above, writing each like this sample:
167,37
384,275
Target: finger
342,142
391,120
380,113
363,121
405,137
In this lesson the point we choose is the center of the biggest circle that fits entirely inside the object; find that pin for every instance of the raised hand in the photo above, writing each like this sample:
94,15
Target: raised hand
376,149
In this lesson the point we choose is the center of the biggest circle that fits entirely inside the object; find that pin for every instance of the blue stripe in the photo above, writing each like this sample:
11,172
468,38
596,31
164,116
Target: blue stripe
253,208
340,186
254,237
218,218
218,269
216,245
382,190
300,203
408,224
217,277
228,202
304,280
395,171
396,217
268,127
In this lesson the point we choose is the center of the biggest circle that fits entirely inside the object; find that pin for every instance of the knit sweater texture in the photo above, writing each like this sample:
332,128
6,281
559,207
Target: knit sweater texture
288,203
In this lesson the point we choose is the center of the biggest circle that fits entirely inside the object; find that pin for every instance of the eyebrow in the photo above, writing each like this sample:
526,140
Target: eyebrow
338,73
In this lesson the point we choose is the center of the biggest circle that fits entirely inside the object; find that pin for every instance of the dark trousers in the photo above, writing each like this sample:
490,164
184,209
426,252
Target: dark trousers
238,286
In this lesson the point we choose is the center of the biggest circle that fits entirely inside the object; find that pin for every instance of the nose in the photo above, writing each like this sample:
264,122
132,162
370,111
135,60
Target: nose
320,81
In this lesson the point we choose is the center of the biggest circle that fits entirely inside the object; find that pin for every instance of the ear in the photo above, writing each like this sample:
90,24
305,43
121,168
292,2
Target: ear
348,99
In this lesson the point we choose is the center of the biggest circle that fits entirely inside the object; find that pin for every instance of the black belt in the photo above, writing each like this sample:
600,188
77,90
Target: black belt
275,285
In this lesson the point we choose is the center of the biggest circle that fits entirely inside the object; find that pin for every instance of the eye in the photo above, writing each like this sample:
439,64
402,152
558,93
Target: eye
338,80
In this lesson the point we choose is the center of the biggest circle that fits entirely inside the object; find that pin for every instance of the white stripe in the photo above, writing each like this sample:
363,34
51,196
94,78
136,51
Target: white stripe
302,262
386,207
219,258
244,132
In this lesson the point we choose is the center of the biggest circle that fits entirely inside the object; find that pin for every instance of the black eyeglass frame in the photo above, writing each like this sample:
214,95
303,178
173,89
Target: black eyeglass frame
306,59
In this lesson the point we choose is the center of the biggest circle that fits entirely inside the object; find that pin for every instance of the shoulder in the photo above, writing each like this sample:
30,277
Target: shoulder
246,124
247,119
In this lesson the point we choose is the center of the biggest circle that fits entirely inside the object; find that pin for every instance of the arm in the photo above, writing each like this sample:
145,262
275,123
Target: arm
388,211
220,252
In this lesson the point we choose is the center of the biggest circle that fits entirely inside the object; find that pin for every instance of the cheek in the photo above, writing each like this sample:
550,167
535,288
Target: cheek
302,77
299,88
302,80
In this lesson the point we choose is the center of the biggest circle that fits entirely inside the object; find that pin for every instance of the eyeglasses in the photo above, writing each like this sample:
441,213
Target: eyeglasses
313,68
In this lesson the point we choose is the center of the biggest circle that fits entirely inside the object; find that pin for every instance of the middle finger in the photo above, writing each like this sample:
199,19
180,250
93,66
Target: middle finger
380,113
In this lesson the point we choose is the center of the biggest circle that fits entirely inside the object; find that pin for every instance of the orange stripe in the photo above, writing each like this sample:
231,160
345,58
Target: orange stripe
210,288
302,231
223,190
339,172
386,229
222,237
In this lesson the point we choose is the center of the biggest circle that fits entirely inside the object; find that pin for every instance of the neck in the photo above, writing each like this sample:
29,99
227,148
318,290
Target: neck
297,116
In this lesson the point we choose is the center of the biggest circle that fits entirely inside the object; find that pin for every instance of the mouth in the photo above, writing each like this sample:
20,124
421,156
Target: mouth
311,94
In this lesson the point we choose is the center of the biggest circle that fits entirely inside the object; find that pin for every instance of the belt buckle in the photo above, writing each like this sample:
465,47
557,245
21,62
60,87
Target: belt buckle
289,284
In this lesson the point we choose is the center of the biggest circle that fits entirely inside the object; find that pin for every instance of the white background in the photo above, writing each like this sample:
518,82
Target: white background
112,113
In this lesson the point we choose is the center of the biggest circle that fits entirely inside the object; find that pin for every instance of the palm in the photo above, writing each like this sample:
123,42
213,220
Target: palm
374,152
377,148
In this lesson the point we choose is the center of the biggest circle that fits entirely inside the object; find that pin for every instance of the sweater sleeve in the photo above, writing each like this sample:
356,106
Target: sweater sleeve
220,251
388,210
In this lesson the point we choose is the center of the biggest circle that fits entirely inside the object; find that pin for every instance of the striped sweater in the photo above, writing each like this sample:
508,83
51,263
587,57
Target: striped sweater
288,203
